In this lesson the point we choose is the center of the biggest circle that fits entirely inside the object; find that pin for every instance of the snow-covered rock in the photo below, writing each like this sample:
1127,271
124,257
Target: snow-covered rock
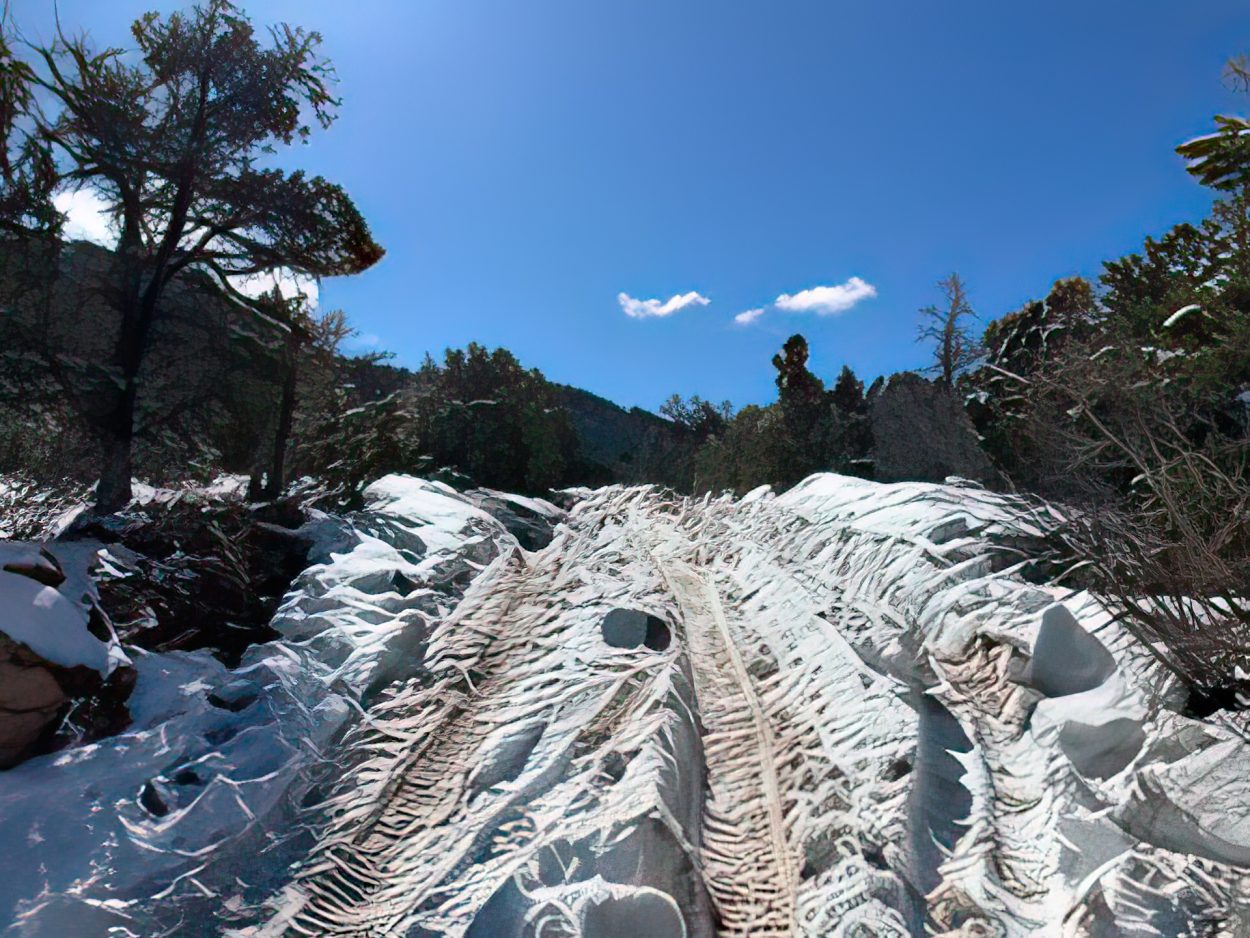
48,653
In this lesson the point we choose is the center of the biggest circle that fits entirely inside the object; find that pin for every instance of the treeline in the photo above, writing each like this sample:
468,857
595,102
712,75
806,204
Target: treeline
1127,400
176,142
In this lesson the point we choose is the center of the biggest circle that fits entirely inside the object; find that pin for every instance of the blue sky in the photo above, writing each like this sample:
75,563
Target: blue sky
525,164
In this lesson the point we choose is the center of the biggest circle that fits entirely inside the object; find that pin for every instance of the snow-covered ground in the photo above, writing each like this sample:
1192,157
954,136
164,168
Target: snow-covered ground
198,803
838,711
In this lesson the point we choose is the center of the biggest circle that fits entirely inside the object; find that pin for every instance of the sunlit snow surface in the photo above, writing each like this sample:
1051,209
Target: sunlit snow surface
841,712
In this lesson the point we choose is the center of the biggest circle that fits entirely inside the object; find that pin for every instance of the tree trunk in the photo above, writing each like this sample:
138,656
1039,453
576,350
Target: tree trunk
113,492
137,310
286,416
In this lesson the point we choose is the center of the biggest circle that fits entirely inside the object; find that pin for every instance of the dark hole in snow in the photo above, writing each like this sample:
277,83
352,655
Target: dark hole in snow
875,857
97,624
614,766
187,777
818,855
1066,658
632,916
403,585
506,761
235,696
1202,702
151,801
1101,751
896,770
629,628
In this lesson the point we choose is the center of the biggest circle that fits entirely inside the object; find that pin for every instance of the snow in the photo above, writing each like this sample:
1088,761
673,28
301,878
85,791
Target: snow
227,784
864,720
539,506
823,638
224,486
52,621
438,508
48,624
1180,314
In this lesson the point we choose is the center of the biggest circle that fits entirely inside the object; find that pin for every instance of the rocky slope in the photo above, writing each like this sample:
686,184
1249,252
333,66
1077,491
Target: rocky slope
840,711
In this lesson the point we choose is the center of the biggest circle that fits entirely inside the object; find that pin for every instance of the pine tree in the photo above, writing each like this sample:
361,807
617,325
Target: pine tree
848,392
800,393
177,143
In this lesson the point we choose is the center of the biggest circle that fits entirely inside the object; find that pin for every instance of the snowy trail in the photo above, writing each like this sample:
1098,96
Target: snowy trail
825,724
835,713
751,865
772,740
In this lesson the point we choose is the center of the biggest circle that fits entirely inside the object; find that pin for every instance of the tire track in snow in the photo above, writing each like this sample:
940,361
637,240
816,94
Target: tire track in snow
755,884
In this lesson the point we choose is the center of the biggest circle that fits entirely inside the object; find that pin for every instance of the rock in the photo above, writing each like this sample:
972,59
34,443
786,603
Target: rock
531,521
30,701
26,687
38,565
190,575
62,678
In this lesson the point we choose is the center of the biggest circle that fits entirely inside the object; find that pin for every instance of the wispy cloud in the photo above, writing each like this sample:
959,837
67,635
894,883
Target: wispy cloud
827,301
749,316
364,341
650,309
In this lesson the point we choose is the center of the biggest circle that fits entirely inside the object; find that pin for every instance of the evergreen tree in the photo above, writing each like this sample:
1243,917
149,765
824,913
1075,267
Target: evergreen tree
696,418
799,392
848,392
1222,159
177,143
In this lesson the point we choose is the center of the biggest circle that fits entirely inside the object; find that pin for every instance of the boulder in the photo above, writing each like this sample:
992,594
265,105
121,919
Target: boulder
59,675
531,521
30,700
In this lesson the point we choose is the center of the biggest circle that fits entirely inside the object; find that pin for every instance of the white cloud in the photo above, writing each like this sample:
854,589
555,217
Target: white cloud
86,217
827,301
748,317
289,283
648,309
